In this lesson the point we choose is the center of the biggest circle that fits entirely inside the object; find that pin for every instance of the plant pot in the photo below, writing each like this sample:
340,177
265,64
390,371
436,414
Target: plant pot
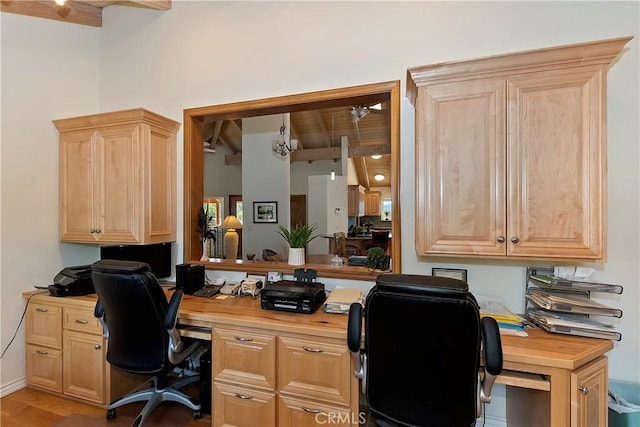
296,256
205,256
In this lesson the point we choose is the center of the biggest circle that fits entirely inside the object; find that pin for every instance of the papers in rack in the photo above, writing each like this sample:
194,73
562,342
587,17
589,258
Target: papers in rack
508,322
340,299
573,324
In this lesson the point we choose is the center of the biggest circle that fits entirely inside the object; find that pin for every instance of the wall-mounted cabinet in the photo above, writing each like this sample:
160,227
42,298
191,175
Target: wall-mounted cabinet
354,194
118,178
372,200
511,153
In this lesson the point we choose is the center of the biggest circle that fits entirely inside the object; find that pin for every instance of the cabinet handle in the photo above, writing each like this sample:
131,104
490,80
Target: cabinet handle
97,346
243,396
584,389
501,239
98,230
93,230
311,411
313,350
44,353
515,239
82,322
237,338
42,310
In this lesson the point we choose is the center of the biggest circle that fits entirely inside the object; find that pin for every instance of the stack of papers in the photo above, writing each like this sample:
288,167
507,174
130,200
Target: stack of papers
508,322
573,324
569,303
340,300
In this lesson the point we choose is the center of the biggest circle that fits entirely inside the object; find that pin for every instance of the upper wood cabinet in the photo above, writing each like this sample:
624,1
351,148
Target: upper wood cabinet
511,153
118,178
372,200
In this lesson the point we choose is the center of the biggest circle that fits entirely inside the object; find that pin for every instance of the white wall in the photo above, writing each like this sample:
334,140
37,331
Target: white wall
206,53
265,178
325,196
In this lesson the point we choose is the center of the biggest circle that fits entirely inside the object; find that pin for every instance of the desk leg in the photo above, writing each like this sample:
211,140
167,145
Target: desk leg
560,397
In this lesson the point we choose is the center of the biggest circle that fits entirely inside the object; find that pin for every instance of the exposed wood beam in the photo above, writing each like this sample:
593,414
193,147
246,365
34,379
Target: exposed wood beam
311,154
74,12
150,4
216,133
369,150
361,172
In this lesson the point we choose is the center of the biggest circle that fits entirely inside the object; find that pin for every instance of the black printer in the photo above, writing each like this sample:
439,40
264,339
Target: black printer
292,296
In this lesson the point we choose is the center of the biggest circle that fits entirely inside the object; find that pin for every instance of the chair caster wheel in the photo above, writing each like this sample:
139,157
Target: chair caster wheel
111,414
196,415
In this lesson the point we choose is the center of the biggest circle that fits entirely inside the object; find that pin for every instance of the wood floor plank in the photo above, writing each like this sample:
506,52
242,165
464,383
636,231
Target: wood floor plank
35,408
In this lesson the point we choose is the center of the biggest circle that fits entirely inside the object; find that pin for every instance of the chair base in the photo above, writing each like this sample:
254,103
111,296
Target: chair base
154,396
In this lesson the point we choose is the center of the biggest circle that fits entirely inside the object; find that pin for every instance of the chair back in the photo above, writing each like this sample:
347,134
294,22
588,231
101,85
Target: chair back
134,307
422,339
340,243
379,239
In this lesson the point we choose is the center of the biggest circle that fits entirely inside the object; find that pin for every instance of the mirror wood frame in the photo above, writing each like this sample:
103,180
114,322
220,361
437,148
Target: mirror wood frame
194,120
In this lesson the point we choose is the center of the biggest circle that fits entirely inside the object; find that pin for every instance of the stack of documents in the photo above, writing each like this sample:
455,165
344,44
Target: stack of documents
340,300
573,324
508,322
569,303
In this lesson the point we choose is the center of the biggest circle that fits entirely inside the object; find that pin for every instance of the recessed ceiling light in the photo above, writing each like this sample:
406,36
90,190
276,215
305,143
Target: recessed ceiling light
378,177
376,156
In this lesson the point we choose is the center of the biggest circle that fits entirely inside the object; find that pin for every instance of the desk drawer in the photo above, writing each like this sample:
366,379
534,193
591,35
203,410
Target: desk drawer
44,325
237,406
81,321
44,367
315,369
299,412
244,357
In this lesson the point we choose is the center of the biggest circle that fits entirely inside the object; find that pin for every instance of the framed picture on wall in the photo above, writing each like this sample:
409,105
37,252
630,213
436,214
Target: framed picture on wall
265,212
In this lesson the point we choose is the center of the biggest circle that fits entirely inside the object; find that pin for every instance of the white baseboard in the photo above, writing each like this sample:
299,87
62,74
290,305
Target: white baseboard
15,385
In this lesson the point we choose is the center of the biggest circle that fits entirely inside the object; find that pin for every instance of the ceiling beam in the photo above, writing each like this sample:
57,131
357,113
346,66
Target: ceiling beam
73,12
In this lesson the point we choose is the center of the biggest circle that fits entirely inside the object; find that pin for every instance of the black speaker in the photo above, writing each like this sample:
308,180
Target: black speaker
189,279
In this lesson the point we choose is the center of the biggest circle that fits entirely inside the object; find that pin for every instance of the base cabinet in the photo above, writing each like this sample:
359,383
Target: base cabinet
66,351
262,379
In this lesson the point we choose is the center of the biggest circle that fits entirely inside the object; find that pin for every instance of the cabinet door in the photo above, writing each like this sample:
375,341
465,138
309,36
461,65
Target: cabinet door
589,394
44,325
314,369
244,357
372,203
84,366
77,185
352,199
460,168
556,173
298,412
119,189
44,367
241,407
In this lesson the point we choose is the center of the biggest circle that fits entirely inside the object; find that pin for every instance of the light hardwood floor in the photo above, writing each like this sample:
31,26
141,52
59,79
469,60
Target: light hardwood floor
34,408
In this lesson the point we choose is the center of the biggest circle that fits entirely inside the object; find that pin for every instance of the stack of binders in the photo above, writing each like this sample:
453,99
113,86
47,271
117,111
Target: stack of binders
508,322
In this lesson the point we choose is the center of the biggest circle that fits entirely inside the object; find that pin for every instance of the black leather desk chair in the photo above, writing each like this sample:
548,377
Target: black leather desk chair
379,239
421,356
140,327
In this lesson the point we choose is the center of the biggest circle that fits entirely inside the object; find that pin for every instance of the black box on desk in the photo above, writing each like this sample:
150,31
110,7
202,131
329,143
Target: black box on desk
295,297
189,278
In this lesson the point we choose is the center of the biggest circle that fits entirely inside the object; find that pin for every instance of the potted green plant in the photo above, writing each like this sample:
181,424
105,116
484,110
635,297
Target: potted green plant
297,237
205,231
377,259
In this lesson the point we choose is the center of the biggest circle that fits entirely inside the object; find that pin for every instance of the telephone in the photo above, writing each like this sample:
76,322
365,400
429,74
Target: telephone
72,281
252,285
230,288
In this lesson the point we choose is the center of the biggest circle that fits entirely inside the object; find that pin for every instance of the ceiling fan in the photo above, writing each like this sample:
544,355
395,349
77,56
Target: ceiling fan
359,112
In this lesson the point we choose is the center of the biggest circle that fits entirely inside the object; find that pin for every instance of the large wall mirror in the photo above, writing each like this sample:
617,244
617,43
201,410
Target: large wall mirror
354,131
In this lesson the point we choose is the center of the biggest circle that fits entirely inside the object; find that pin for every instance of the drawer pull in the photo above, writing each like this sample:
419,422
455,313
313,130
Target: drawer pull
42,310
237,338
82,322
43,353
313,350
243,396
311,411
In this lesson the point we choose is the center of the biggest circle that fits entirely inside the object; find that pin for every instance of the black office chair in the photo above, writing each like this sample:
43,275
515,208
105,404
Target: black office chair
142,339
420,361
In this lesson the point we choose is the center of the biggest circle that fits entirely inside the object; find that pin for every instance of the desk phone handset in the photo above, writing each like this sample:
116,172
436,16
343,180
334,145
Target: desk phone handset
230,288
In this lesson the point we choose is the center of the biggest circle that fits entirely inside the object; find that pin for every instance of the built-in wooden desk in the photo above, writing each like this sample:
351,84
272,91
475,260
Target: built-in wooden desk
293,365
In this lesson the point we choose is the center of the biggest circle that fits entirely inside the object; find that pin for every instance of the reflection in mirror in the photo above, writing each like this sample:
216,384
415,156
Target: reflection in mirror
286,150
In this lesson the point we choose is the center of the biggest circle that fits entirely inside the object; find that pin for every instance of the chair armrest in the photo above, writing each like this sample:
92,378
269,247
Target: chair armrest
354,327
177,353
492,356
98,312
